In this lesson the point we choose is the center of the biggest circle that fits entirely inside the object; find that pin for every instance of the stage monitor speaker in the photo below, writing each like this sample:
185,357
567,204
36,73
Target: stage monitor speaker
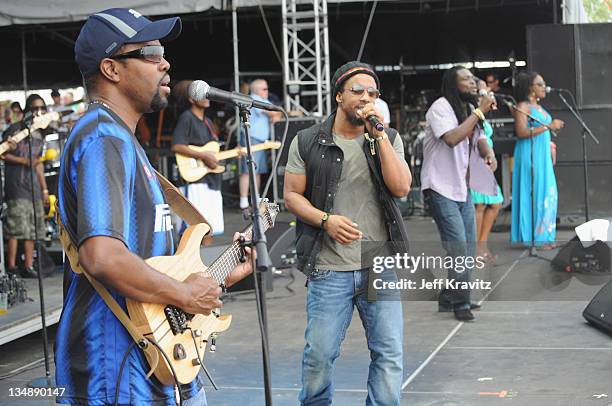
599,311
281,242
575,257
575,57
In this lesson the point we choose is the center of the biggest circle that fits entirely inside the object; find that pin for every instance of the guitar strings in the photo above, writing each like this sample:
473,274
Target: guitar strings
226,262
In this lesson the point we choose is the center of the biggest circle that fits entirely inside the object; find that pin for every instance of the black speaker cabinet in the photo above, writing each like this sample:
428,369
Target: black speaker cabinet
599,311
577,57
296,124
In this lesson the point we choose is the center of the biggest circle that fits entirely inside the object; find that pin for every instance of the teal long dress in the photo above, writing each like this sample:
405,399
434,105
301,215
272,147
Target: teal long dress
545,186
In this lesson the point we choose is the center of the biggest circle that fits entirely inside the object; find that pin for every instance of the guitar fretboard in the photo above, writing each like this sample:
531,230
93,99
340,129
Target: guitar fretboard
232,153
225,264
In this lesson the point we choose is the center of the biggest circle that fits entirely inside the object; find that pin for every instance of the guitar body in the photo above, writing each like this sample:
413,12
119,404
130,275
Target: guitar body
192,169
183,336
152,320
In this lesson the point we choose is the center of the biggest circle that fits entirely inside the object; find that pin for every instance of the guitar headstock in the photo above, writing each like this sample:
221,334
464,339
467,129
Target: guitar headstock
268,211
43,120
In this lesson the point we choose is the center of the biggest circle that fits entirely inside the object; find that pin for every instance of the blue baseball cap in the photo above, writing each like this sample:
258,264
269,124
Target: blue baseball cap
104,33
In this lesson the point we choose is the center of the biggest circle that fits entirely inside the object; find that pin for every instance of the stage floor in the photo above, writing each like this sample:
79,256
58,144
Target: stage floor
529,345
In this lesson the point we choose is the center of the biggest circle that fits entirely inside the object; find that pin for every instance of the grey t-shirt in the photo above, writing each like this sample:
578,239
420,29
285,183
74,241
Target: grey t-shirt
356,199
17,183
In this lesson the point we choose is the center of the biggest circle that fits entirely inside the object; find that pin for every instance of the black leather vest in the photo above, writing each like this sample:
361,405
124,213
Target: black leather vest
323,159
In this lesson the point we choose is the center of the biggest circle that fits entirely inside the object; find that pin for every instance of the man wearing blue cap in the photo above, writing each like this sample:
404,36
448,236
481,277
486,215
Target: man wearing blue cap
113,208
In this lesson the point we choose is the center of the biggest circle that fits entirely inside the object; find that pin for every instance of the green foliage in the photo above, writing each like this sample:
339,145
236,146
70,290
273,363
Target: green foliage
599,11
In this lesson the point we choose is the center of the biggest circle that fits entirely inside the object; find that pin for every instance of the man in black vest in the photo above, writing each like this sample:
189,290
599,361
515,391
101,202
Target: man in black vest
340,181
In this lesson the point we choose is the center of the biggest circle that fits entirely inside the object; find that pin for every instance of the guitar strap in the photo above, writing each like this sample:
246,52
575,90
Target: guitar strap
212,131
183,208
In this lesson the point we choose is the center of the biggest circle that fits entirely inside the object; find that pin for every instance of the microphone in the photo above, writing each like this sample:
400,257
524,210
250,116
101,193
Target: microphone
502,96
200,90
554,89
28,118
376,123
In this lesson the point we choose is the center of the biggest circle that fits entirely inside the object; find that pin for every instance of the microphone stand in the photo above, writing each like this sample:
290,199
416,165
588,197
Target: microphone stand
46,381
585,130
532,248
401,125
263,262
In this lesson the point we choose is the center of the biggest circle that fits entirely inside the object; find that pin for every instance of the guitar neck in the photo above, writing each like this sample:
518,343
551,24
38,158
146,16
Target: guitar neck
17,138
233,153
225,264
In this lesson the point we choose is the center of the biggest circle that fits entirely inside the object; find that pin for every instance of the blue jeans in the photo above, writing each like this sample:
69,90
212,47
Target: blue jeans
331,299
260,157
199,399
456,222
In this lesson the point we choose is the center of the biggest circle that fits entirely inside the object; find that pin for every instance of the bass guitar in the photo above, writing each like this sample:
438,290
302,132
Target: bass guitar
183,336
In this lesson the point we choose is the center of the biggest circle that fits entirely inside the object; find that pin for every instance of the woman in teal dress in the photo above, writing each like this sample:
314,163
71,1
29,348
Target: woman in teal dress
530,89
486,193
486,205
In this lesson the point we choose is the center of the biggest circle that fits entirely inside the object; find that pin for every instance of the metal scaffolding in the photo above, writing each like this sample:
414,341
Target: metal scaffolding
306,57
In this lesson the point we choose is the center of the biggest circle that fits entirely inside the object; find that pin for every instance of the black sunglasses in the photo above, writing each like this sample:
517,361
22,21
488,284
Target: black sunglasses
151,53
38,108
358,90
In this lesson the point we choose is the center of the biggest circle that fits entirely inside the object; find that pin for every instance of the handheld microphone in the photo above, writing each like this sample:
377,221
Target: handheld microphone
200,90
376,123
502,96
28,118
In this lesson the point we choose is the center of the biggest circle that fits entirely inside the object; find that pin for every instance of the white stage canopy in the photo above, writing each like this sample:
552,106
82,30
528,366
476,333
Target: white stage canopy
58,11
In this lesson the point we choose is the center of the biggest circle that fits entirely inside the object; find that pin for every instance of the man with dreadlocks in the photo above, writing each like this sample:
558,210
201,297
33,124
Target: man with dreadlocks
453,133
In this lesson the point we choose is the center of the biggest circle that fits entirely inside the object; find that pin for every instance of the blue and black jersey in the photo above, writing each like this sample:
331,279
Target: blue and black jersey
107,187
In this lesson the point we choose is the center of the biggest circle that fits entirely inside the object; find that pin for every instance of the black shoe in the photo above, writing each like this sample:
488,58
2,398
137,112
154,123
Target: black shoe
464,315
13,270
448,308
29,272
474,307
